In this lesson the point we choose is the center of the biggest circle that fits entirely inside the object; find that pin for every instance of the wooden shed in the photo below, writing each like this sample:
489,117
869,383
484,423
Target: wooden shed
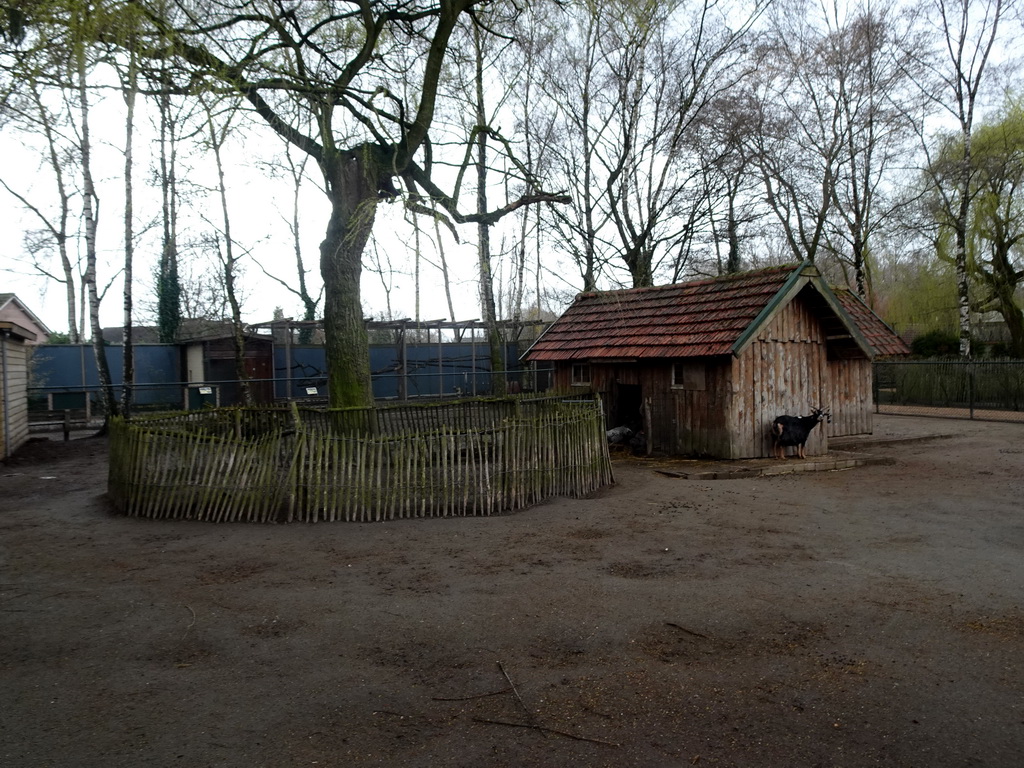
704,367
209,362
14,356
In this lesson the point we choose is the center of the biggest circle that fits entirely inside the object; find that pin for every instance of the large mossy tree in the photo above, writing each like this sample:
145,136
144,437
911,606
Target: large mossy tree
351,83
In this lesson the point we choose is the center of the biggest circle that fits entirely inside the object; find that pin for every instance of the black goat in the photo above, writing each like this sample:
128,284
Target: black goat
794,430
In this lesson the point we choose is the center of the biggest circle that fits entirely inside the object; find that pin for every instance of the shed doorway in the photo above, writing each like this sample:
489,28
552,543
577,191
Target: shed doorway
627,407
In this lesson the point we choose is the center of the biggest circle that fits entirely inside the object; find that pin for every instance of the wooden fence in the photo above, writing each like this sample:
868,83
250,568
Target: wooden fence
307,465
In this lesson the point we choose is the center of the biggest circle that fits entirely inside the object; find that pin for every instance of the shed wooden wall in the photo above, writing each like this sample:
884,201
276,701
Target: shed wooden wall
689,421
13,399
13,313
784,370
852,397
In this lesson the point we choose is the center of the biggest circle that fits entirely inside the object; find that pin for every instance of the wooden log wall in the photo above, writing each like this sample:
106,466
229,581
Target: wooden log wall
304,471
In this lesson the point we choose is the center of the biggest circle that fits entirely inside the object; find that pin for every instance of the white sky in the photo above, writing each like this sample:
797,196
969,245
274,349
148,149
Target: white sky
259,206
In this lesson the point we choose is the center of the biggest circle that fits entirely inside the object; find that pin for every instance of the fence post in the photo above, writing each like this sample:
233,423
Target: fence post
970,386
875,371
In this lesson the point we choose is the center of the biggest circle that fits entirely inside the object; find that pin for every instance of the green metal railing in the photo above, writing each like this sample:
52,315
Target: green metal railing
972,389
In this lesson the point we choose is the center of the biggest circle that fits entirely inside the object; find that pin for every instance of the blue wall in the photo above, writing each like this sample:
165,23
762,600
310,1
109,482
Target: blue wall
447,369
63,368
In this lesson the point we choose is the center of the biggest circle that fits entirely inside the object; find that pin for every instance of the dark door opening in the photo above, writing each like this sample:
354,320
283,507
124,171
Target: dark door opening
627,408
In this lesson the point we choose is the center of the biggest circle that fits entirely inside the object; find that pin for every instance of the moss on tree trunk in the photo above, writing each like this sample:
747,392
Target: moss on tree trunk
353,188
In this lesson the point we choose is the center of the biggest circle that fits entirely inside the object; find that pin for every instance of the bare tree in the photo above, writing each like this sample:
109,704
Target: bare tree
797,141
129,91
29,109
730,186
168,277
218,117
320,77
957,69
296,174
80,64
572,124
877,121
639,80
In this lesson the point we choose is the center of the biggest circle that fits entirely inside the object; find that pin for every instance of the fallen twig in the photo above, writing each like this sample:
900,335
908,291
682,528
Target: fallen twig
519,698
468,698
684,629
192,624
545,729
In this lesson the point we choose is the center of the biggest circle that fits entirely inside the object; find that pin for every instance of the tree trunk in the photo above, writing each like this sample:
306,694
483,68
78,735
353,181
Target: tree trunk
733,263
962,276
109,402
168,288
487,304
352,186
638,260
228,262
1014,318
128,366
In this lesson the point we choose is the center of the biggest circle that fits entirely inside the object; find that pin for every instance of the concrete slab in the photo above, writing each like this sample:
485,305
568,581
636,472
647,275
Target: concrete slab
844,453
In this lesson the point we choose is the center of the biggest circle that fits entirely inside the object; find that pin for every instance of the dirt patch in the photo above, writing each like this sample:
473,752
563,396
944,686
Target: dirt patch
873,616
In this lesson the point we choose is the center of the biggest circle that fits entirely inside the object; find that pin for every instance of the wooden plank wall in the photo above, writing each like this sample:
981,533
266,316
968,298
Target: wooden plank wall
680,422
14,407
692,422
783,371
852,397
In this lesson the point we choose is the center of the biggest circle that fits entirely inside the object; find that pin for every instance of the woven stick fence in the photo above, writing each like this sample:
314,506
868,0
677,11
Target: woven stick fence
309,465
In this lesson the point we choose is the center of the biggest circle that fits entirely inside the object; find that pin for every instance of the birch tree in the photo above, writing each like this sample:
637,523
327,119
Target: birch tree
958,67
53,210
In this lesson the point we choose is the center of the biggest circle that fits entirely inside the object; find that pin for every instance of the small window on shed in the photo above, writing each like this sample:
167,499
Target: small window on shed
691,376
580,374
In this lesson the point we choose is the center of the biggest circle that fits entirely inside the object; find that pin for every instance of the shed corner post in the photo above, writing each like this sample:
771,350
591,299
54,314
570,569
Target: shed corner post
647,424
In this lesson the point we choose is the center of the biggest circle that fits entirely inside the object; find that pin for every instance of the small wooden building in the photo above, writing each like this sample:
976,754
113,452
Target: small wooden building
20,332
209,362
14,357
704,367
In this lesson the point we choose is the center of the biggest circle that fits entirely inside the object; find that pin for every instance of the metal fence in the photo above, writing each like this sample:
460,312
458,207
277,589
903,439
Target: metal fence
61,373
81,404
991,390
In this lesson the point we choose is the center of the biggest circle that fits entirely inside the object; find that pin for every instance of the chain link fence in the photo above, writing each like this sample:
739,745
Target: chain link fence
991,390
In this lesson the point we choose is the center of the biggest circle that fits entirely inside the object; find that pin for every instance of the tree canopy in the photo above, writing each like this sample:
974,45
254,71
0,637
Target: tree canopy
689,137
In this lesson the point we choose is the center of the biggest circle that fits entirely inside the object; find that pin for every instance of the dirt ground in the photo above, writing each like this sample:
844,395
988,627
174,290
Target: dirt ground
866,617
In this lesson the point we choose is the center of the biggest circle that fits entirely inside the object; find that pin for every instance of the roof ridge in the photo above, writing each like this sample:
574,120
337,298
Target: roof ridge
728,277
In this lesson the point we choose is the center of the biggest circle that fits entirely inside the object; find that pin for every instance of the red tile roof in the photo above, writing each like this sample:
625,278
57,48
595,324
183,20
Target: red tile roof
696,319
705,317
883,339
